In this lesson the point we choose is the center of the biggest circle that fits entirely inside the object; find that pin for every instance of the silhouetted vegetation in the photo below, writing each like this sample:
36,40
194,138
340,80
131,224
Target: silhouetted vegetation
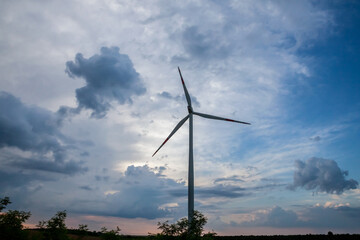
55,228
183,230
110,234
82,231
11,228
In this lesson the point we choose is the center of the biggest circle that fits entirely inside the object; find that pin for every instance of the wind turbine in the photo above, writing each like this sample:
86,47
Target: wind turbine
191,158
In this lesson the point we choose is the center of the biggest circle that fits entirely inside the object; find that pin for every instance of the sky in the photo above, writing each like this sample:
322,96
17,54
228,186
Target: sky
90,89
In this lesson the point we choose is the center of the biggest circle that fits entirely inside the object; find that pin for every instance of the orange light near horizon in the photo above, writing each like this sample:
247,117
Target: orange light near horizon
130,226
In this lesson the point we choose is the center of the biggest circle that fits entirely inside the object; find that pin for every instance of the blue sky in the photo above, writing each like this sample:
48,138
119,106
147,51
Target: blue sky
89,90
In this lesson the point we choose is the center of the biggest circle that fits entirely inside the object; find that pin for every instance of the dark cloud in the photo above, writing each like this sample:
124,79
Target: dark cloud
217,191
341,217
102,178
87,188
225,188
167,95
321,175
275,217
222,191
69,167
34,131
316,139
251,168
21,185
110,76
141,192
333,216
203,45
28,128
85,154
269,179
233,178
13,179
279,217
268,186
179,98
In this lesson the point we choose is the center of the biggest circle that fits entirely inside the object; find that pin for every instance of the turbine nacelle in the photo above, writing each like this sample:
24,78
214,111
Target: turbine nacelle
190,110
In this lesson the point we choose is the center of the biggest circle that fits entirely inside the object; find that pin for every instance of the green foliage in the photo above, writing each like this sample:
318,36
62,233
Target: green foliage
55,228
183,230
110,234
11,222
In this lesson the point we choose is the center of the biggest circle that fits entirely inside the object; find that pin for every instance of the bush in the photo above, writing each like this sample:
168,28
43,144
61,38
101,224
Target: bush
55,228
110,234
11,227
82,230
183,230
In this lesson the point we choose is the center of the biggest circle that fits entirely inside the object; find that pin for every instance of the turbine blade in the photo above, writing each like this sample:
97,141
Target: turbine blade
173,131
218,118
188,99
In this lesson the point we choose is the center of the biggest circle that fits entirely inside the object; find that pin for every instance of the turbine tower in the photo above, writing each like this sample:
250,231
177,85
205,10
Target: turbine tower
191,158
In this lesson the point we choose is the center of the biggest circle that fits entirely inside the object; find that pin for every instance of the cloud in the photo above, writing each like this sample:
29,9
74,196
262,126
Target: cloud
249,30
179,98
332,216
275,217
222,191
308,216
69,167
322,175
217,191
315,139
234,178
13,179
110,76
28,128
280,217
85,187
142,192
34,131
203,45
101,178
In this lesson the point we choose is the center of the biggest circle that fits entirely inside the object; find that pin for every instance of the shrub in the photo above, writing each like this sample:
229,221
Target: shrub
55,228
110,234
183,230
11,227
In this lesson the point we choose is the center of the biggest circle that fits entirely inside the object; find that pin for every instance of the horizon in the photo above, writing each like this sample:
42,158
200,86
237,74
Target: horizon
89,91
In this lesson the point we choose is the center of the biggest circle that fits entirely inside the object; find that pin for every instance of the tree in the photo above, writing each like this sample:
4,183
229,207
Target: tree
197,224
83,227
181,229
11,227
110,234
4,202
82,230
55,228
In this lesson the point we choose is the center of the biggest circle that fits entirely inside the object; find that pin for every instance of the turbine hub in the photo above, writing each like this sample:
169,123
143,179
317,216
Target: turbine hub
190,109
